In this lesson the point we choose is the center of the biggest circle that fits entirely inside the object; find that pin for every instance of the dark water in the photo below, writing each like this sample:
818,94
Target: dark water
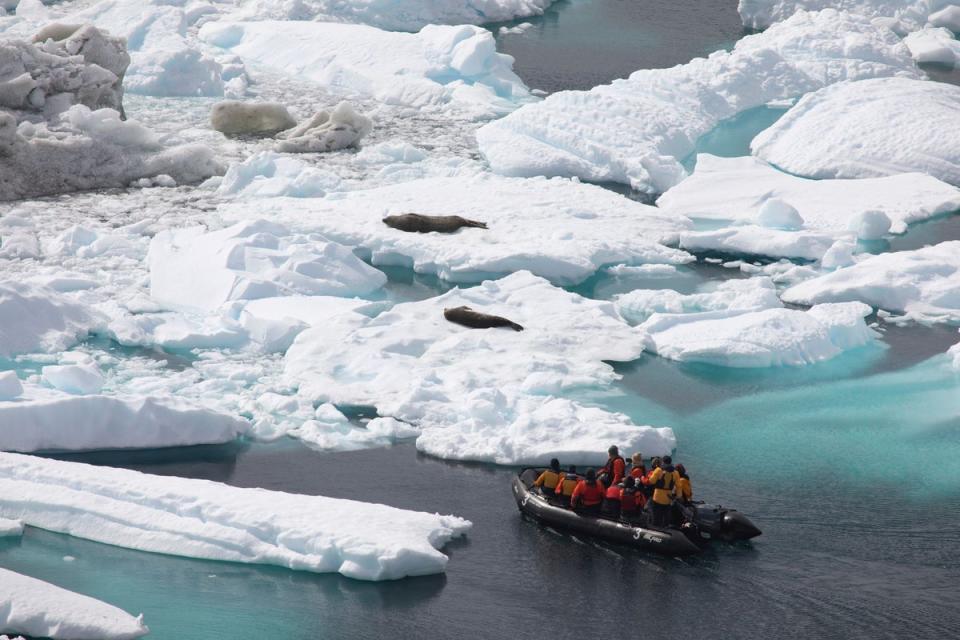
578,44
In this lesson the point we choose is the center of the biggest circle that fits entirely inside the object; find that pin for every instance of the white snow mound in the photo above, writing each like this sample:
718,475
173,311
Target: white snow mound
736,189
924,284
637,131
41,610
866,129
440,68
483,394
559,229
767,338
194,269
203,519
35,319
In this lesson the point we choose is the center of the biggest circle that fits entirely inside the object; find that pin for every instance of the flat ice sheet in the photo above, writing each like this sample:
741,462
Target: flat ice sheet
637,131
867,129
767,338
203,519
437,69
45,420
41,610
559,229
924,284
735,188
493,395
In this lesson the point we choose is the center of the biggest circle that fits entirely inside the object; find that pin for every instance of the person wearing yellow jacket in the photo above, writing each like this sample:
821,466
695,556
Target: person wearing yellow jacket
664,481
547,481
684,488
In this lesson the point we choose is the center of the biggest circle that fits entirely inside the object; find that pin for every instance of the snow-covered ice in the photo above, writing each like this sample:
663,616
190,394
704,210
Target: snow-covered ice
440,68
203,519
42,610
269,174
749,294
82,378
638,131
934,45
45,420
866,129
194,269
10,385
35,319
10,528
755,240
491,394
901,15
766,338
326,131
923,284
556,228
394,15
736,189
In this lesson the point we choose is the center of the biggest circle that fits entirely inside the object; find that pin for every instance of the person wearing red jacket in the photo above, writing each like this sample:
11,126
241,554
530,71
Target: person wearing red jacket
616,466
637,469
588,494
611,501
632,501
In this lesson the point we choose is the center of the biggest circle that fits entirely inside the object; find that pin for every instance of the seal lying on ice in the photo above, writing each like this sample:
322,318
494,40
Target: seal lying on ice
419,223
476,320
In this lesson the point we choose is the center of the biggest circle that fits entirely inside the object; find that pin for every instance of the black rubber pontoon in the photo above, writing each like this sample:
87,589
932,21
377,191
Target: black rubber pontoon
709,521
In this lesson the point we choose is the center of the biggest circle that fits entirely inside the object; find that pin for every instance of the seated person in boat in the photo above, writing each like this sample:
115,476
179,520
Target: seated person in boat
637,468
568,482
611,498
632,500
548,480
588,495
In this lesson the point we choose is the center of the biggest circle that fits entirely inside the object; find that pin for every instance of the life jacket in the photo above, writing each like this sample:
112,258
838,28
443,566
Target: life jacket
613,492
684,490
629,499
663,486
566,484
589,493
549,479
609,469
638,471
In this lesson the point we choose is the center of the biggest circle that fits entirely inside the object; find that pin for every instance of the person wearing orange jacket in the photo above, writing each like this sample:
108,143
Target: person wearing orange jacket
616,466
568,482
588,494
548,480
664,481
611,500
637,468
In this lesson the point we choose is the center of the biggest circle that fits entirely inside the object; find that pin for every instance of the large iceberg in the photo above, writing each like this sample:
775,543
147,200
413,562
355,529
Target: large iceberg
35,319
924,284
199,270
203,519
439,68
53,421
559,229
901,15
877,127
638,131
41,610
483,394
766,338
735,189
394,15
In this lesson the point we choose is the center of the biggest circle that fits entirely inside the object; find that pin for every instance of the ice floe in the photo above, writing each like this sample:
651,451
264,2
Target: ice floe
10,528
10,385
765,338
203,519
269,174
35,319
736,189
638,130
437,69
195,269
748,294
41,610
482,394
934,45
900,15
394,15
44,420
326,131
923,284
754,240
866,129
559,229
